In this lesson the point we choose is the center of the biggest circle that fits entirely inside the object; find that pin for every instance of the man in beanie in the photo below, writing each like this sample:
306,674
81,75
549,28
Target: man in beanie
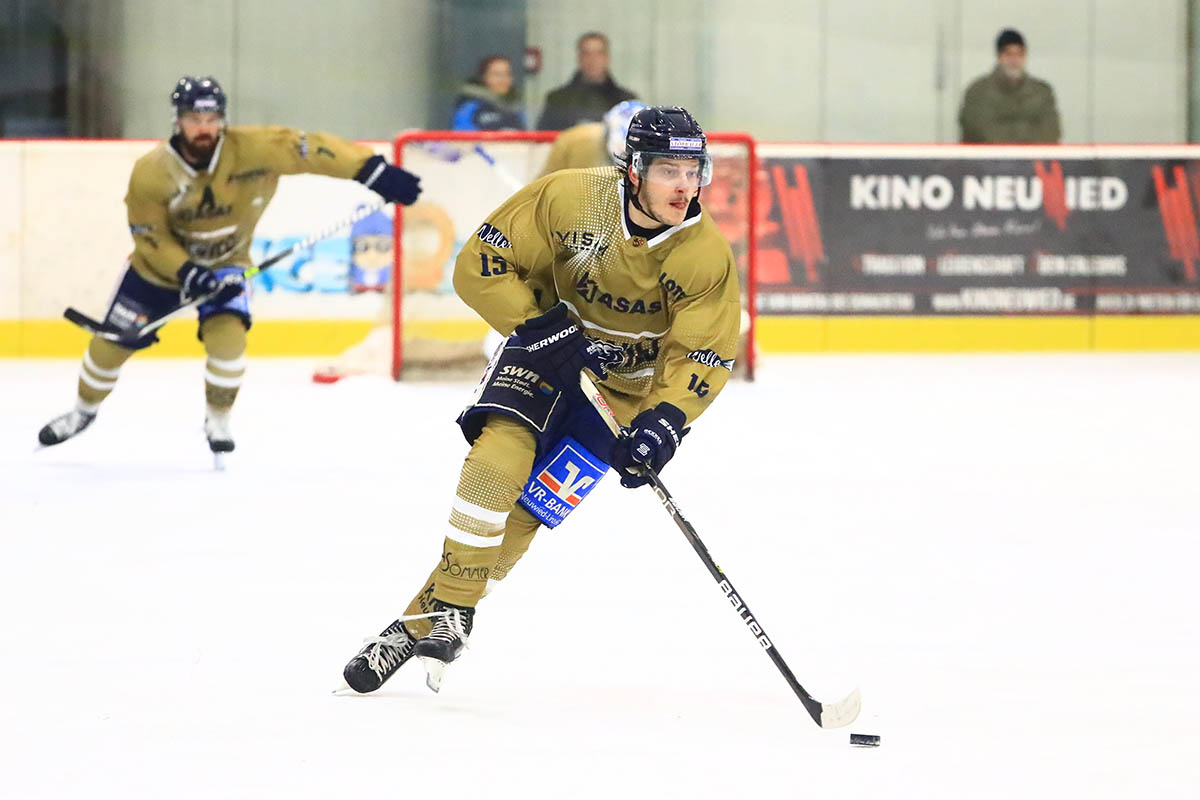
1009,106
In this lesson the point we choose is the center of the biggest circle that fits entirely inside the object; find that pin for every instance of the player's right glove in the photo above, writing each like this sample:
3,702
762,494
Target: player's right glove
394,184
197,281
558,349
649,442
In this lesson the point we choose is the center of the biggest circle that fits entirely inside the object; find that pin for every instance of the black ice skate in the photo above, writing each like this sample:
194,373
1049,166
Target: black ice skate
445,642
63,427
220,438
379,660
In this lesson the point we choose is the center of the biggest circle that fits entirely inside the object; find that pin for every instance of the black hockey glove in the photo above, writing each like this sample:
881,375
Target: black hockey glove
650,441
197,281
557,346
394,184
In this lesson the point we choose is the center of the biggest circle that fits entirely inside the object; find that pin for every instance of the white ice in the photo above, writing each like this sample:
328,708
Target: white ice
998,550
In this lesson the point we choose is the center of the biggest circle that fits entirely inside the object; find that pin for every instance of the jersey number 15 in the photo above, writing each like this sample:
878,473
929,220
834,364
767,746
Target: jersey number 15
498,266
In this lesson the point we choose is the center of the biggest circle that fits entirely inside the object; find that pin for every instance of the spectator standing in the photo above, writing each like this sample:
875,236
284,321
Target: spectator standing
591,91
489,101
1008,105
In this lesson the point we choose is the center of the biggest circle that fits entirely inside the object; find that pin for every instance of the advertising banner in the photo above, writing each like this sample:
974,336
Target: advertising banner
976,231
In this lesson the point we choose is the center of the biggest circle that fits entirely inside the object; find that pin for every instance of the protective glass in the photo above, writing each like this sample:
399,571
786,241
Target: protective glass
672,168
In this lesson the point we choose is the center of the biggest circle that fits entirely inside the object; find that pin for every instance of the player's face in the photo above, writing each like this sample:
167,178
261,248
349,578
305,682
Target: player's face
1012,61
669,188
498,78
593,59
200,130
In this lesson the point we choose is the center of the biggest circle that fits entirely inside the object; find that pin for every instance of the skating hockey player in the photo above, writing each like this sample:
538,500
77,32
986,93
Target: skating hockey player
592,144
193,203
618,270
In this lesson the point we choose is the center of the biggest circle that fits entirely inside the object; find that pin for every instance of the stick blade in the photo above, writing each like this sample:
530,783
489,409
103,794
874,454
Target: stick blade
93,326
841,713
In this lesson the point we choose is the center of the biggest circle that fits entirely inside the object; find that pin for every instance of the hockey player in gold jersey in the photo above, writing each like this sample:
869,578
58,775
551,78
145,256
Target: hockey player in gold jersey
193,203
592,144
617,270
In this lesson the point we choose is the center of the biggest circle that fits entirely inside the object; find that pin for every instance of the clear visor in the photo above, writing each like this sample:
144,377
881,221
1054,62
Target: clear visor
198,117
673,169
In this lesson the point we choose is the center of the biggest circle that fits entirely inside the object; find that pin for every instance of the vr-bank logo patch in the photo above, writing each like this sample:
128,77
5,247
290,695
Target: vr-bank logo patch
561,481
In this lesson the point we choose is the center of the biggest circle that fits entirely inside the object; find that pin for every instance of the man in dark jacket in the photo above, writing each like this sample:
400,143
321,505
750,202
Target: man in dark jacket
1009,106
590,93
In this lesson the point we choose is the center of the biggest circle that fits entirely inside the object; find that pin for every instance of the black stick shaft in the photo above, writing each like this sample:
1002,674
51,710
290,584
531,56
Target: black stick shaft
130,336
664,496
838,714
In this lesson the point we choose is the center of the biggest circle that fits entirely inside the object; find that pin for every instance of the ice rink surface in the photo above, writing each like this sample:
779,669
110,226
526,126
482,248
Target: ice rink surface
1000,551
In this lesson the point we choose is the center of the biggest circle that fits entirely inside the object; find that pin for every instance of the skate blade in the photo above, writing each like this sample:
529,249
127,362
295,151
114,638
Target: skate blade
219,462
435,671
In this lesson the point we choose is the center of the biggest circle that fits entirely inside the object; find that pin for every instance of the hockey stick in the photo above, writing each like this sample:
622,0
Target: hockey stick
449,153
513,182
129,336
827,715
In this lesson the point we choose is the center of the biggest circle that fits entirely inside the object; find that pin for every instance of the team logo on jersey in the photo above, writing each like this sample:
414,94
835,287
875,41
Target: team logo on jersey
491,235
207,209
608,353
561,481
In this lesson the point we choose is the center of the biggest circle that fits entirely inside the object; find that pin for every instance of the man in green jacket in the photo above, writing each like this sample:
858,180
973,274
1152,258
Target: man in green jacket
1008,106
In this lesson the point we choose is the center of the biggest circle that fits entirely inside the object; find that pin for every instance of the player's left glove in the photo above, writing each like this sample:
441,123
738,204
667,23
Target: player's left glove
650,442
394,184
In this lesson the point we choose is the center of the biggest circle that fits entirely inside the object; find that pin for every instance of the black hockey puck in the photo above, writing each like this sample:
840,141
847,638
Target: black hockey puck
864,740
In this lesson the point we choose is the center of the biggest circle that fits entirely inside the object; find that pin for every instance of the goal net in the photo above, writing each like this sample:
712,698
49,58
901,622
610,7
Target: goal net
424,330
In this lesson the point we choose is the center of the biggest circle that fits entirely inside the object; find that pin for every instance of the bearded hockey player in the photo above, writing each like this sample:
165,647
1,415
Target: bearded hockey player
193,203
617,270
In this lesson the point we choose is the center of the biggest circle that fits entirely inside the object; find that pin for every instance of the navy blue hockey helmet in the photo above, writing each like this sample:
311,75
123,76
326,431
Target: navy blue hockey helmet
666,132
198,94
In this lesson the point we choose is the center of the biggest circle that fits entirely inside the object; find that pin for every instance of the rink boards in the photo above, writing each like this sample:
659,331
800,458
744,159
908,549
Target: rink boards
864,249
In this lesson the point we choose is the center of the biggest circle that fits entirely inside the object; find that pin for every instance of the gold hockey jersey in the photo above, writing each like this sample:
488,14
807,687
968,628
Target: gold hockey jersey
581,146
178,213
671,303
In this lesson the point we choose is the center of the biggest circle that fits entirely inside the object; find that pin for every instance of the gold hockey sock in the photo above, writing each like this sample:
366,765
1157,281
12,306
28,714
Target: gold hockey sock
421,604
99,372
488,487
518,535
224,338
